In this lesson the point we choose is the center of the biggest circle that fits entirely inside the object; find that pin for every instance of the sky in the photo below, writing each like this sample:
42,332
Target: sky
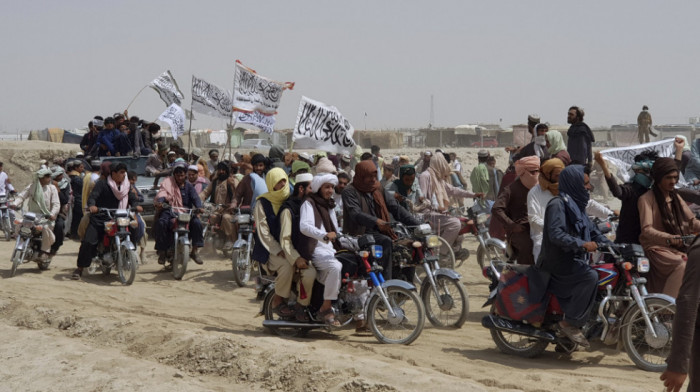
482,61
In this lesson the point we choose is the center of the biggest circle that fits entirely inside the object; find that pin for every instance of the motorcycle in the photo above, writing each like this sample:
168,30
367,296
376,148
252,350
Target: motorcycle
178,256
116,248
241,261
623,310
478,225
212,232
28,243
5,219
444,297
392,310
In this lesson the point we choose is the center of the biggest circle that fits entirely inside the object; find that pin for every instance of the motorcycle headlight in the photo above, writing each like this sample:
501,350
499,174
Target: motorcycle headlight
423,229
642,264
432,241
109,225
123,222
243,218
184,218
377,251
482,218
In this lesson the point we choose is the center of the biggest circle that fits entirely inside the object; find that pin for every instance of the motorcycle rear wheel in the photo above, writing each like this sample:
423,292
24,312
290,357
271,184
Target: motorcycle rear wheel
455,302
180,261
410,320
271,315
127,266
647,352
519,345
484,255
240,261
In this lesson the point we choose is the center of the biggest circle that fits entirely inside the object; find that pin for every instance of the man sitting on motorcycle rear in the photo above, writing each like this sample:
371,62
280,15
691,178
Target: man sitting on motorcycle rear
220,192
563,261
178,193
42,199
111,192
318,222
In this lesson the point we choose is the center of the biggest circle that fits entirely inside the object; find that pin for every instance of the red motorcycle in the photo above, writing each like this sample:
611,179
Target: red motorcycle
623,310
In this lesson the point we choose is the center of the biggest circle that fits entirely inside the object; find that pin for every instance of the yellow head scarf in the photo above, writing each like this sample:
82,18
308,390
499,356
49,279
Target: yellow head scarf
276,198
548,167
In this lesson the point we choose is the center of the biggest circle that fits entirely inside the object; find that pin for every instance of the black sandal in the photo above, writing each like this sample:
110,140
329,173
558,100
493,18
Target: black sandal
283,310
77,274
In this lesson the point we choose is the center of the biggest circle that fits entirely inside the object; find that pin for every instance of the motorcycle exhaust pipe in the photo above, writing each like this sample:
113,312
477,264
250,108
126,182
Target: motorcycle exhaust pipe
291,324
494,322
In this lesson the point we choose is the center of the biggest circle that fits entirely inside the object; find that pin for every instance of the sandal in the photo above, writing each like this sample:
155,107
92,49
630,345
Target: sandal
329,317
283,310
77,274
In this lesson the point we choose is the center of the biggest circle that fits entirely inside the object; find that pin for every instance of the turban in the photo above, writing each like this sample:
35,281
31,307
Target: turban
193,168
547,173
41,173
324,165
320,179
663,166
303,177
524,168
57,172
299,165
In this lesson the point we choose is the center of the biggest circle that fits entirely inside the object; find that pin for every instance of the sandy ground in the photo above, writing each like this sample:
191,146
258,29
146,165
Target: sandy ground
203,333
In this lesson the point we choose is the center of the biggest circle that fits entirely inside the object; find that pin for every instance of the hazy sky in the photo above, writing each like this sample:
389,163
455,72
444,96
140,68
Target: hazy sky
65,61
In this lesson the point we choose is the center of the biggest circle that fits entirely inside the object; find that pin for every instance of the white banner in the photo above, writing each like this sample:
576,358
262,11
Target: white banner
266,122
210,100
167,87
623,157
175,117
255,93
322,127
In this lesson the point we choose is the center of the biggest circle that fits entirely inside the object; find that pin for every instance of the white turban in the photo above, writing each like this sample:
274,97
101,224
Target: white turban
320,179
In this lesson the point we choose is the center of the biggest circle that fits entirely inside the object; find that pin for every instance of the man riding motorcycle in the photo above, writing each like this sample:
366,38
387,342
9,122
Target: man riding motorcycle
178,193
367,208
220,192
562,267
111,192
42,198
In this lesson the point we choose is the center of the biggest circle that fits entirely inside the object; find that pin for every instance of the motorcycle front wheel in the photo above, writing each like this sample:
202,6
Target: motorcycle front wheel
180,261
7,227
450,310
240,260
484,255
126,266
519,345
17,258
646,351
408,320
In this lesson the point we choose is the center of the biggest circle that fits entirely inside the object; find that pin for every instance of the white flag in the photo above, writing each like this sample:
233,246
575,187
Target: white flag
166,86
210,100
623,157
175,117
255,93
322,127
266,122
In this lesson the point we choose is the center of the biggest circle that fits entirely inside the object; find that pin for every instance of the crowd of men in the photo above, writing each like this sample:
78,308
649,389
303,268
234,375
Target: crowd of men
541,205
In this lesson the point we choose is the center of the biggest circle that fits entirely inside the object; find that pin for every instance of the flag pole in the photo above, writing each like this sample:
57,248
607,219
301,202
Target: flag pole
137,94
189,138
